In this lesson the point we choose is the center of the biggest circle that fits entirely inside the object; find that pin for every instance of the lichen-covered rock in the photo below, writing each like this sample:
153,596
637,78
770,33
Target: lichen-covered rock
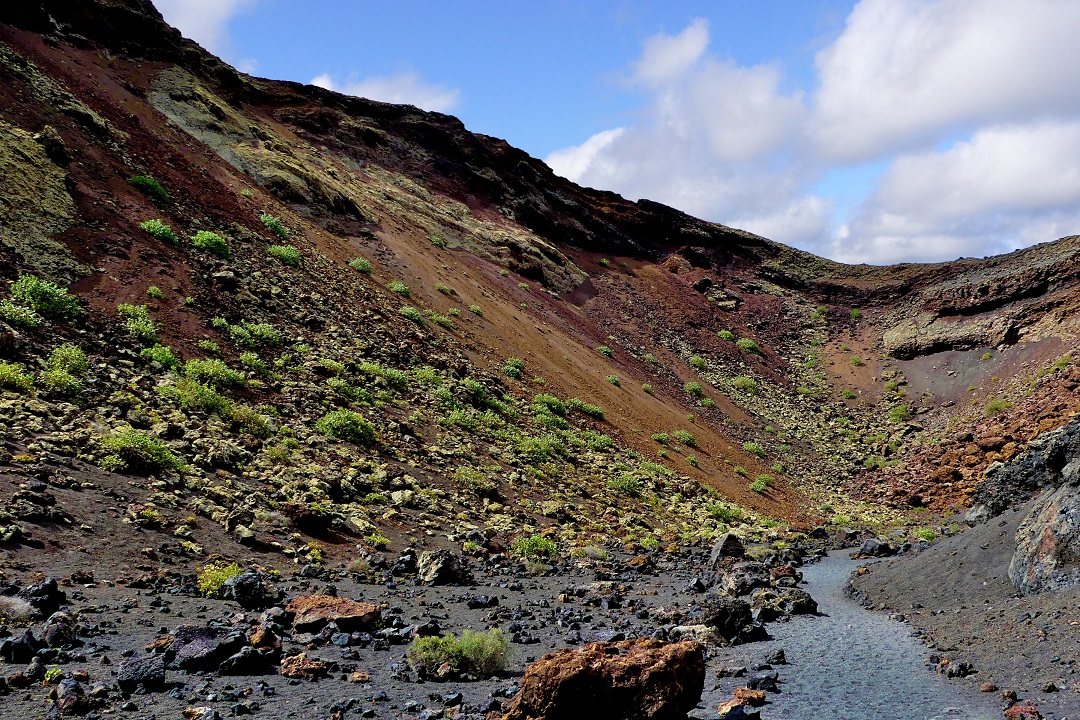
302,667
627,680
311,613
1047,555
440,567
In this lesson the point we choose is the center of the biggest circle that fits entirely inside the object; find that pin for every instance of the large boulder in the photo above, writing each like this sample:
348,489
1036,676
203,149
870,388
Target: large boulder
743,578
311,613
45,597
640,679
1047,555
149,672
729,617
203,648
440,567
252,590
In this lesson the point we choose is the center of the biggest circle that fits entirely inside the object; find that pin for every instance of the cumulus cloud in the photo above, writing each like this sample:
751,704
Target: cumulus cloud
403,88
971,106
204,21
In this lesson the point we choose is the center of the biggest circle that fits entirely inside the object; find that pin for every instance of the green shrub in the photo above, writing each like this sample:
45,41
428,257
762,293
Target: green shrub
361,265
926,534
593,411
274,225
819,313
347,425
46,298
726,335
252,361
758,486
149,187
211,578
514,367
248,420
625,484
692,460
748,345
12,377
856,313
193,394
154,292
724,513
739,470
997,406
440,287
287,254
161,354
212,243
68,358
899,413
160,231
524,286
614,380
210,346
398,287
477,653
138,322
476,310
698,363
848,394
550,403
753,448
605,351
651,359
19,316
685,438
438,241
856,361
766,478
139,453
213,372
693,388
647,388
604,262
746,384
534,546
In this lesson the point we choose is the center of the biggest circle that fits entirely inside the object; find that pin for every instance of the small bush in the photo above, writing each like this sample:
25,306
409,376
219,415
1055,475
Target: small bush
347,425
856,313
726,335
398,287
899,413
44,297
625,484
698,363
476,310
746,384
651,359
848,394
692,460
19,316
149,187
154,292
12,377
534,546
614,380
477,653
137,452
192,394
605,351
274,225
997,406
550,403
766,478
68,358
440,287
693,388
514,367
138,322
739,470
361,265
604,262
524,286
925,534
685,438
212,243
758,486
438,241
647,388
753,448
748,345
287,254
820,312
593,411
213,372
161,354
211,578
160,231
856,361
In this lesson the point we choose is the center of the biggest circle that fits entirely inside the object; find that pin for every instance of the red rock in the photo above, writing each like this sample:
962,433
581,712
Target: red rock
1023,711
313,612
988,687
640,679
302,667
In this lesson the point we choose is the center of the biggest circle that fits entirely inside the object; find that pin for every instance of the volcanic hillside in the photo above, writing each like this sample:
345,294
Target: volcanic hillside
306,322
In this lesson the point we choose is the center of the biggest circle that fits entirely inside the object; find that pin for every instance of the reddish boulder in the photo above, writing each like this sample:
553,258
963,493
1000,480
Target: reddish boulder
640,679
1022,711
302,667
313,612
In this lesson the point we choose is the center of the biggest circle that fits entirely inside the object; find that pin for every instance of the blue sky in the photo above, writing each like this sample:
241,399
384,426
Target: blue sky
863,130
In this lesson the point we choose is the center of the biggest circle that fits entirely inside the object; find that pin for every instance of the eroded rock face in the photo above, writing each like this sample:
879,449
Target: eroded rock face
625,680
1047,555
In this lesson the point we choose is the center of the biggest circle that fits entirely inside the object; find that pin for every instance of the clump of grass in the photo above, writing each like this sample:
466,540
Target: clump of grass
856,313
726,335
64,365
160,231
625,484
213,372
684,437
593,411
753,448
758,486
212,243
413,314
614,380
693,388
274,225
476,310
748,345
848,394
211,578
444,289
549,403
347,425
899,413
361,265
746,384
856,361
514,367
161,354
12,377
398,287
154,292
997,406
138,322
287,254
45,298
692,460
647,388
534,546
605,351
604,262
438,241
135,452
651,359
698,363
149,187
925,533
477,653
19,316
524,286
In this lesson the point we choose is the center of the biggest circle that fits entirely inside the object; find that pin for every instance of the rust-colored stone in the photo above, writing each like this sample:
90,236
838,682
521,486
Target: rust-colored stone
302,667
313,612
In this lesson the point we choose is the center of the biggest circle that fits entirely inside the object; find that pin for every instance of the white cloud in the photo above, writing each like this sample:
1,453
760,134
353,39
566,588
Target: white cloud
204,21
403,88
903,71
